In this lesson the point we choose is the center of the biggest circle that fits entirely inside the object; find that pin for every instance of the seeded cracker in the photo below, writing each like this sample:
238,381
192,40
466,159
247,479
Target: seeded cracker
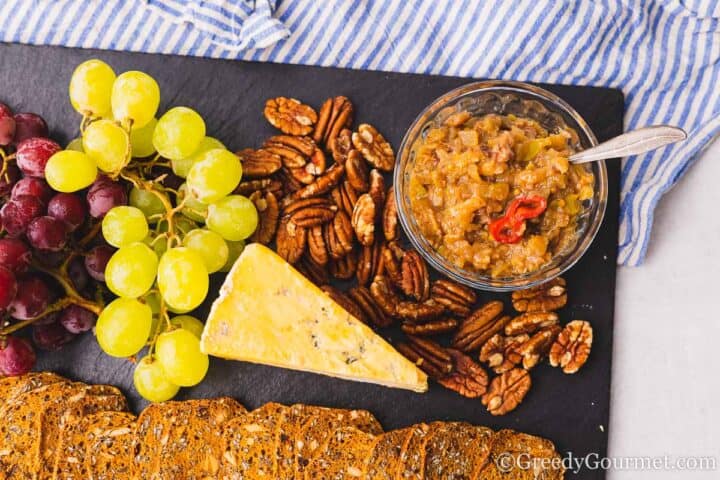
412,456
536,452
11,387
249,451
384,460
318,428
286,434
56,418
456,450
189,433
343,455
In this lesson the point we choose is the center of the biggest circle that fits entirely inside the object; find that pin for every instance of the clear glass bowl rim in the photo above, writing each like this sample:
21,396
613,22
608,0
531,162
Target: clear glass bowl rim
553,104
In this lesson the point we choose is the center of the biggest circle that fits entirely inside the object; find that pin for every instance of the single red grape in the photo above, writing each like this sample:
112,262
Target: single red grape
33,154
105,194
77,319
7,125
8,288
16,357
34,186
15,255
28,125
12,175
17,214
47,234
96,260
50,337
68,208
78,275
32,298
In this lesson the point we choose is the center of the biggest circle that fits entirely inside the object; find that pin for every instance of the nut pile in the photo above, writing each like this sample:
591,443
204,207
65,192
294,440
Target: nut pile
322,199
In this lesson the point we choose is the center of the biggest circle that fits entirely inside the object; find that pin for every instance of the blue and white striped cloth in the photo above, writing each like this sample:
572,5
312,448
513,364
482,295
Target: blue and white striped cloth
664,54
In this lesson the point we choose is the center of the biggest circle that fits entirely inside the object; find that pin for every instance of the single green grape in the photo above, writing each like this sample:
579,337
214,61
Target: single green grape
123,327
75,144
131,270
141,139
124,225
189,323
182,167
68,171
108,144
178,351
215,175
234,251
178,133
151,381
193,208
210,246
183,279
135,97
90,88
233,217
149,203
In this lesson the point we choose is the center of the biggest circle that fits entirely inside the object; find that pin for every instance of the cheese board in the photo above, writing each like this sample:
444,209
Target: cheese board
572,411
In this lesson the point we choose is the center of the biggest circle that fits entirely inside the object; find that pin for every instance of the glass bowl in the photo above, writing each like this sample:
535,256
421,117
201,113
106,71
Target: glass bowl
522,100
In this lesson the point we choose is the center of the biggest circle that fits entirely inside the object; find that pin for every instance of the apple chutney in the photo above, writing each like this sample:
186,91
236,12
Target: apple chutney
496,194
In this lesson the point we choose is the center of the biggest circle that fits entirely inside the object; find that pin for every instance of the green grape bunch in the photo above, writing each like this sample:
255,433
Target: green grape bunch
168,240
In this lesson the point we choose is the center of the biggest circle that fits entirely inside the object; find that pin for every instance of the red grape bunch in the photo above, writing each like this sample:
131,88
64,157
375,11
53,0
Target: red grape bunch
52,259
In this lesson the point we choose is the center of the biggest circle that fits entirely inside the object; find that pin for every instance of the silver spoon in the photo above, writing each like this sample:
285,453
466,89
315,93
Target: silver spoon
631,143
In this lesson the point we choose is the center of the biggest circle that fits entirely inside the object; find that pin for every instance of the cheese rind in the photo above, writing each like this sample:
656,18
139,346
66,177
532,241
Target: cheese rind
268,313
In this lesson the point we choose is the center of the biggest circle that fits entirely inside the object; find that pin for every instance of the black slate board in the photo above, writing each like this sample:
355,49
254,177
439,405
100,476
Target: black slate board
571,410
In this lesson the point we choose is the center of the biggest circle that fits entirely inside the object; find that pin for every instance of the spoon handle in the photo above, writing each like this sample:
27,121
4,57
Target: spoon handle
631,143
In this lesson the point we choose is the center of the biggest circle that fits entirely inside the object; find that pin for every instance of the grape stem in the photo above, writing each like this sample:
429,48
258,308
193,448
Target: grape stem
72,295
55,307
90,235
163,318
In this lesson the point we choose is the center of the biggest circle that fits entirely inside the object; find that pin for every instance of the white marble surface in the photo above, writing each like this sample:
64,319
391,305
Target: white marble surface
666,384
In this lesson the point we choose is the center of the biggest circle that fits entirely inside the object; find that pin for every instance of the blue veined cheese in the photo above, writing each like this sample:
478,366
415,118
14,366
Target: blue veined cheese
268,313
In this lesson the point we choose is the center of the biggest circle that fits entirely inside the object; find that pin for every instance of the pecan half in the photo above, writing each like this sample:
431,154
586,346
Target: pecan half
335,115
363,219
344,268
322,184
384,296
530,322
290,240
468,378
366,302
313,215
482,324
345,301
500,352
290,116
547,297
538,346
305,146
377,191
391,265
572,347
507,391
419,312
316,245
293,206
300,175
339,236
369,263
390,216
248,187
429,356
345,197
289,157
457,298
376,150
433,327
342,146
268,213
258,163
358,174
415,277
312,271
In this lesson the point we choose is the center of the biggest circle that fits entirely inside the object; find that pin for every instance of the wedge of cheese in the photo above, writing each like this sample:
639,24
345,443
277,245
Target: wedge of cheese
268,313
